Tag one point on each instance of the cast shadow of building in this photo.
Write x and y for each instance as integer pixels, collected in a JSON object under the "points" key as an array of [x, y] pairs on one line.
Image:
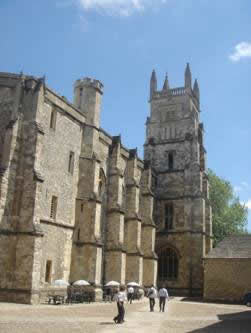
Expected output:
{"points": [[239, 322]]}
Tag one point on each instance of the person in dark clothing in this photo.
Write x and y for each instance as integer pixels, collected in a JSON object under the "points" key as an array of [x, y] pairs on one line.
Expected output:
{"points": [[120, 298], [152, 294], [163, 297]]}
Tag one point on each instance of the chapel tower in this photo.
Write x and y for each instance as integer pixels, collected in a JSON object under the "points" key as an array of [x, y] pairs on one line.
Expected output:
{"points": [[175, 150]]}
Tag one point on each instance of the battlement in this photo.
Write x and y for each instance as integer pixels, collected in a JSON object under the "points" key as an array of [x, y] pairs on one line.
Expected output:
{"points": [[166, 91], [181, 91], [89, 82]]}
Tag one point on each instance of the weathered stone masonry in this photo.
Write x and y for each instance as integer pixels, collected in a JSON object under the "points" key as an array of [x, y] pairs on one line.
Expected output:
{"points": [[70, 194], [76, 204], [174, 148]]}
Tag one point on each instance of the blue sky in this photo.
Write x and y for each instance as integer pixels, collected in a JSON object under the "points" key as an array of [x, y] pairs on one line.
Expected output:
{"points": [[120, 41]]}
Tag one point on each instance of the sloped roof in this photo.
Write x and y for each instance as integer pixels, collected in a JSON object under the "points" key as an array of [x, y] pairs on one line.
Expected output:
{"points": [[236, 246]]}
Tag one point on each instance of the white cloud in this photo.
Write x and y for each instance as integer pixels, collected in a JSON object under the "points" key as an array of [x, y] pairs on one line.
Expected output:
{"points": [[247, 204], [242, 50], [242, 187], [119, 7], [237, 189]]}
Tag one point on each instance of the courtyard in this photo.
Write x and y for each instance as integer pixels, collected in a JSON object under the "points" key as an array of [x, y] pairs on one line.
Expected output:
{"points": [[182, 316]]}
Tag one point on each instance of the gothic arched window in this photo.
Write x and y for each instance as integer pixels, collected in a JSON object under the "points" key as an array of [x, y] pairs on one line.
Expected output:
{"points": [[168, 264]]}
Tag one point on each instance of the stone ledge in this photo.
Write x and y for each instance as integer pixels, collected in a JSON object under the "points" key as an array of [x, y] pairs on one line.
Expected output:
{"points": [[180, 197], [82, 243], [15, 233], [152, 257], [148, 225], [56, 224], [135, 217], [38, 176], [24, 291], [39, 127], [170, 171], [116, 249], [171, 232]]}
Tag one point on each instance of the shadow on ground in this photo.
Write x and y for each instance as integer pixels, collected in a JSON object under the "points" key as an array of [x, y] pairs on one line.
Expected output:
{"points": [[202, 300], [230, 323]]}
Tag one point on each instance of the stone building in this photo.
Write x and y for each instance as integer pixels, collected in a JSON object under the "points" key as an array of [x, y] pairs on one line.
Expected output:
{"points": [[175, 150], [76, 204], [228, 269]]}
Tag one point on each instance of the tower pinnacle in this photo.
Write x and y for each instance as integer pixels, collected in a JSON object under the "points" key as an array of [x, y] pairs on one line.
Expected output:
{"points": [[153, 84], [196, 90], [166, 84], [188, 77]]}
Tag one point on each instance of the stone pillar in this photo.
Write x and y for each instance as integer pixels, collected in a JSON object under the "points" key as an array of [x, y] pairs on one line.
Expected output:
{"points": [[150, 262], [134, 261], [115, 257]]}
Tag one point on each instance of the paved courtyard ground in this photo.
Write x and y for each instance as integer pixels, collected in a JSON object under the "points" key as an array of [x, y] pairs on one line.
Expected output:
{"points": [[182, 316]]}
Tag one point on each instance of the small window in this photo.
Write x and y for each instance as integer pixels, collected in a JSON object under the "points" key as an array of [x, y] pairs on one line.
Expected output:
{"points": [[82, 207], [80, 92], [48, 271], [78, 237], [80, 96], [54, 202], [71, 163], [170, 161], [53, 119], [169, 216]]}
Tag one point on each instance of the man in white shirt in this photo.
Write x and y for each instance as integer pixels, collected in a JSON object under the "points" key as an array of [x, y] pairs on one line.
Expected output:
{"points": [[163, 297], [130, 292], [120, 298], [152, 294]]}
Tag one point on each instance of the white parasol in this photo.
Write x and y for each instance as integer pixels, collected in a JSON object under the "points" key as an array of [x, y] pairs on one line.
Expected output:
{"points": [[112, 284], [133, 284], [61, 283], [81, 283]]}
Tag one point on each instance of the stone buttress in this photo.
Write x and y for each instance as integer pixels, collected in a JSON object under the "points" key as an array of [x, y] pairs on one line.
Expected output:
{"points": [[115, 255], [88, 245], [148, 233], [20, 233], [134, 258]]}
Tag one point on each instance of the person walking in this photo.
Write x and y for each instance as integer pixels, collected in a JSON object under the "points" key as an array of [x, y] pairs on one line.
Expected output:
{"points": [[130, 292], [163, 298], [120, 298], [152, 294]]}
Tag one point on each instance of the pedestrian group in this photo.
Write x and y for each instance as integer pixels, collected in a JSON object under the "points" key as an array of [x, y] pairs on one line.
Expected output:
{"points": [[151, 293]]}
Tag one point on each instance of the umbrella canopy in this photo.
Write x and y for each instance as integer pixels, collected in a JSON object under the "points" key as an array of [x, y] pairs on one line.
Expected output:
{"points": [[112, 284], [60, 283], [81, 283], [133, 284]]}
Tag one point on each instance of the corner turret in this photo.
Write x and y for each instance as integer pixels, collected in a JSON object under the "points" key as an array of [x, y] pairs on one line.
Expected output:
{"points": [[87, 97]]}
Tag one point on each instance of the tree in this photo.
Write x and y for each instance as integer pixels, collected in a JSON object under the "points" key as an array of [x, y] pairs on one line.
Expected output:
{"points": [[229, 216]]}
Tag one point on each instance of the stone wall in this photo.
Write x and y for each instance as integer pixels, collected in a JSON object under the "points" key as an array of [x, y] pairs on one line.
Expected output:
{"points": [[227, 279], [75, 203]]}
